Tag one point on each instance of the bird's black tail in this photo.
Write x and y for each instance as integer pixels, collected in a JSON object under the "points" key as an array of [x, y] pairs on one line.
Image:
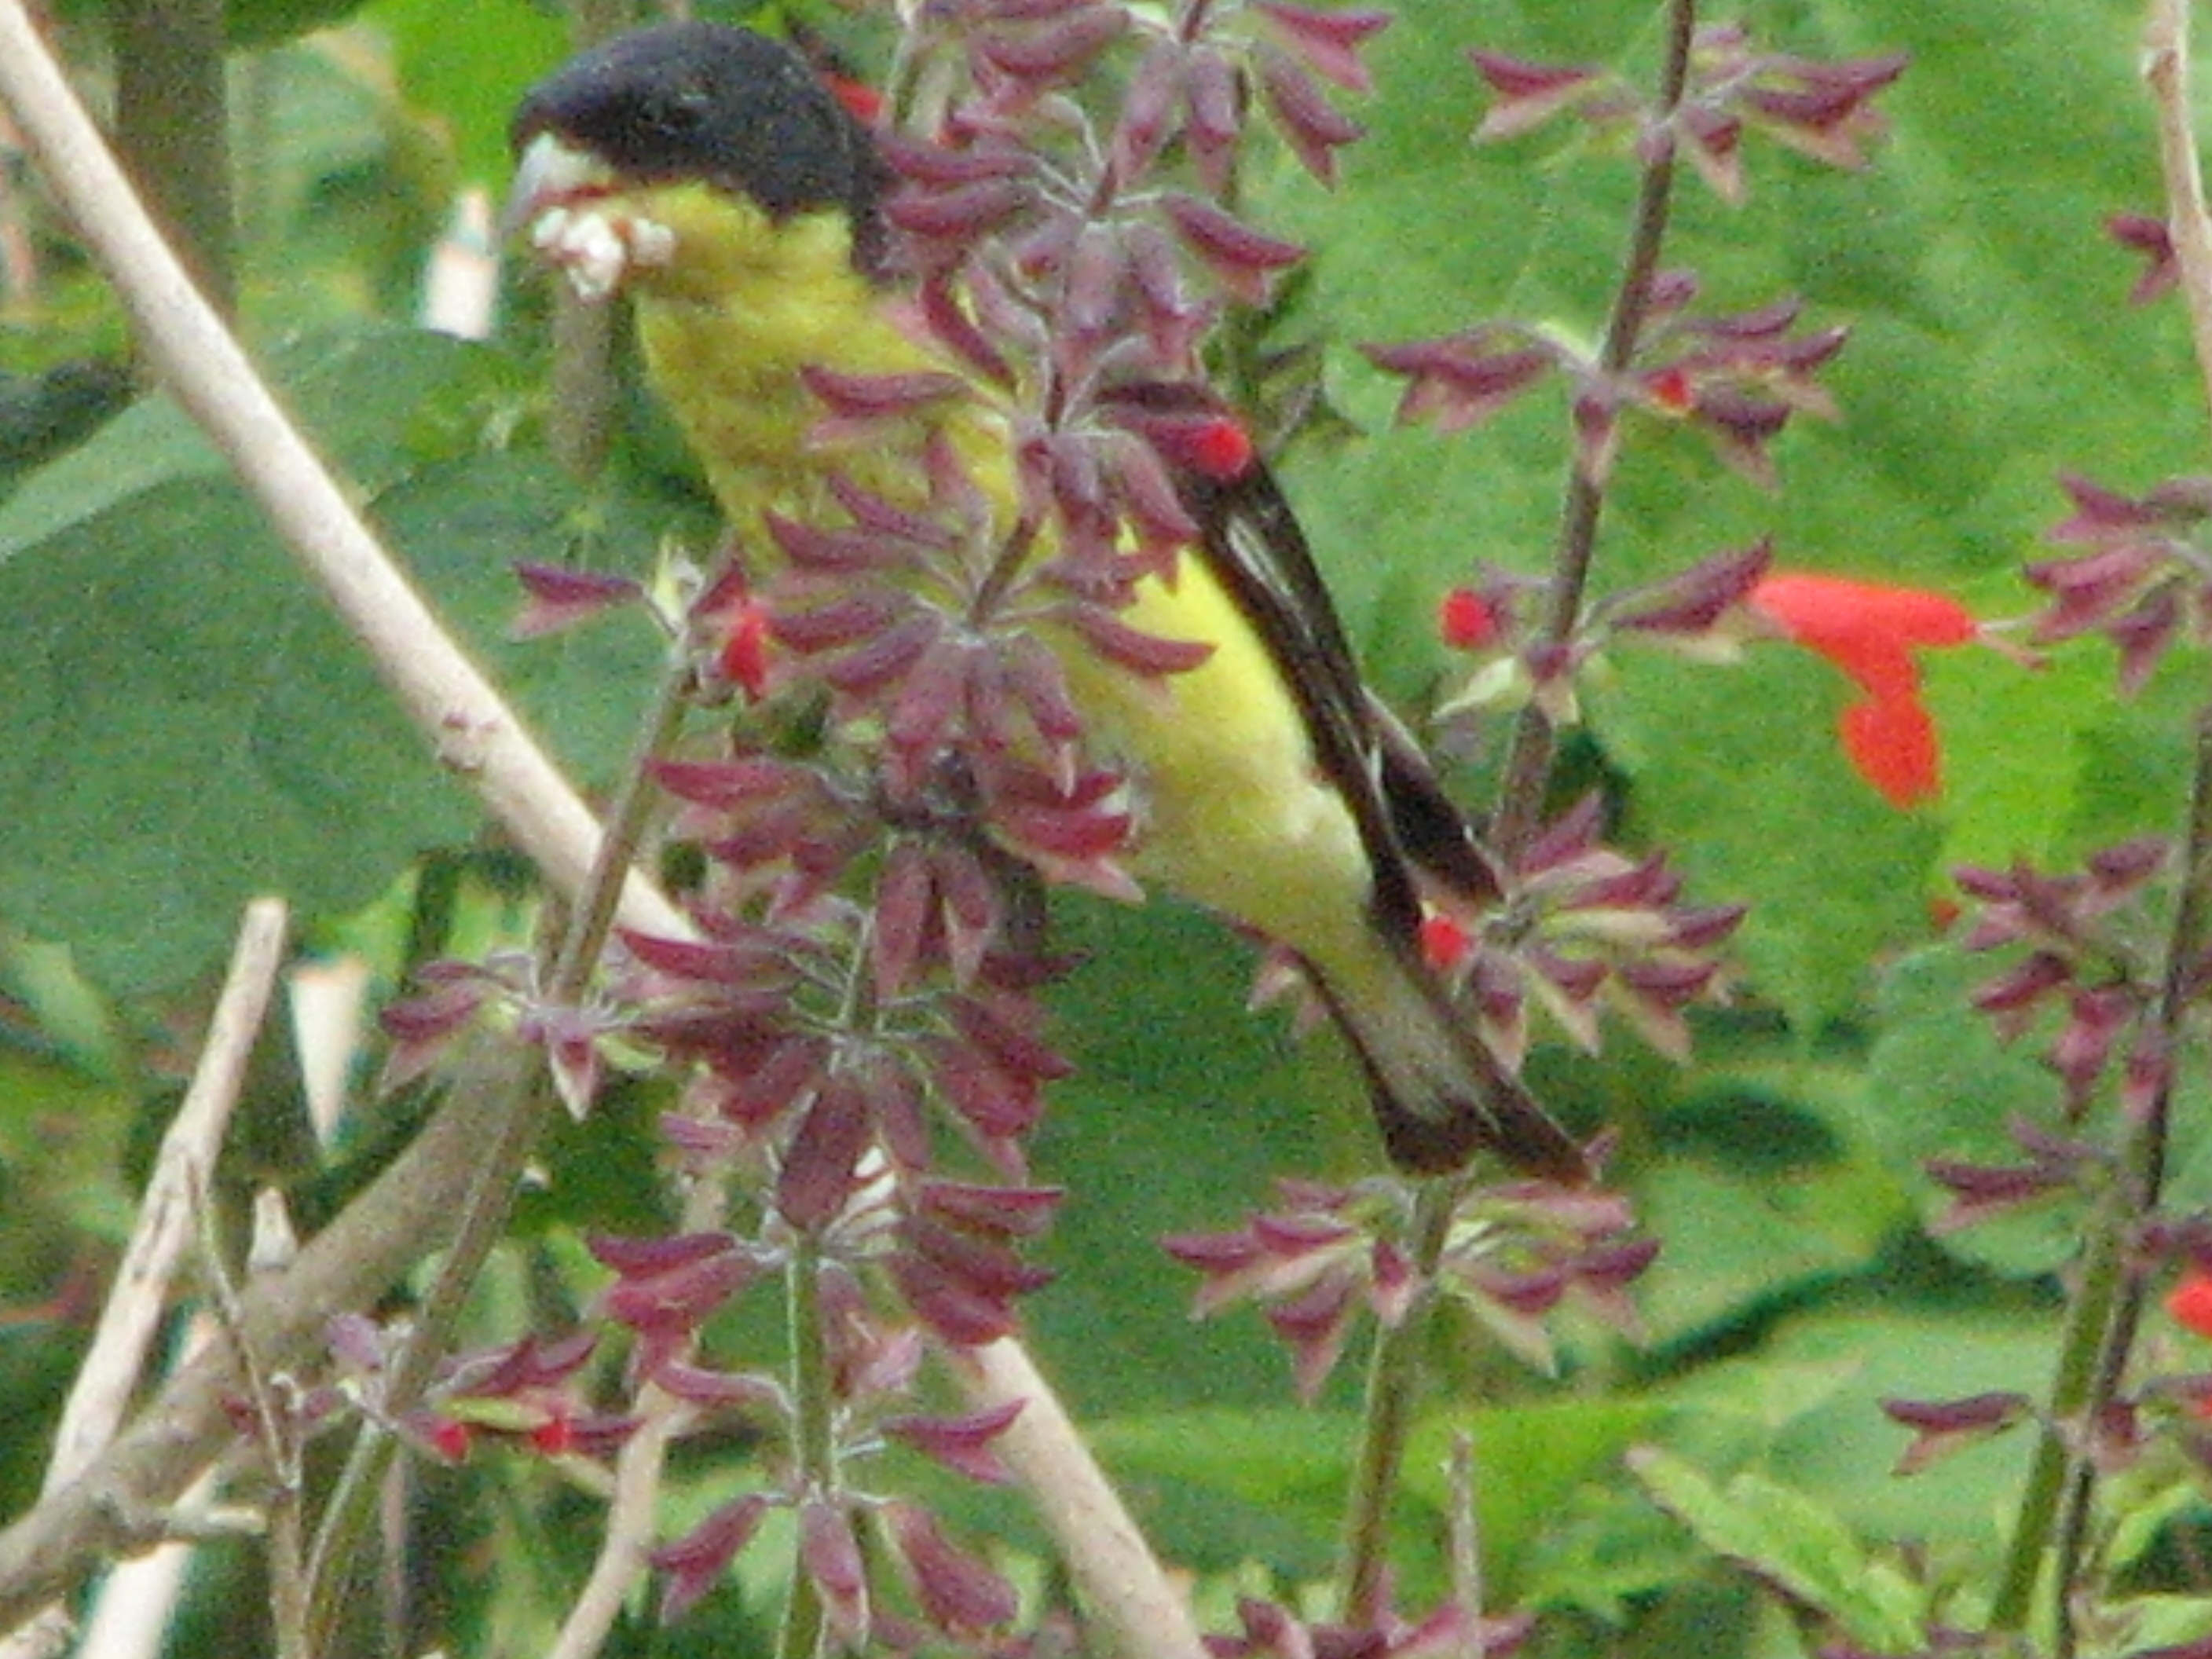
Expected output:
{"points": [[1440, 1096]]}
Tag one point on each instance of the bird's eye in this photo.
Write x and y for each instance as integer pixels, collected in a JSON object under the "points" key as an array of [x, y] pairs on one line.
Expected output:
{"points": [[680, 111]]}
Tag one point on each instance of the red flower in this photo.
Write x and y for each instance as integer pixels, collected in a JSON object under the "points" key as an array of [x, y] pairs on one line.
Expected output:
{"points": [[2189, 1303], [1445, 942], [1466, 620], [1870, 630]]}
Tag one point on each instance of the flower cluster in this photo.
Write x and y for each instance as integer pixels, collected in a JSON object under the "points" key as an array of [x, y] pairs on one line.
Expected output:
{"points": [[1737, 379], [1581, 929], [527, 1395], [662, 1287], [1330, 1253], [1873, 631], [2145, 579], [1065, 255], [1823, 110], [2083, 949]]}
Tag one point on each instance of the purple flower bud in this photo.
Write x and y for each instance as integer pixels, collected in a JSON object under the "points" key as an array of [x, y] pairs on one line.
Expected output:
{"points": [[830, 1555], [1244, 260], [696, 1561], [1329, 42], [957, 1593], [961, 1444], [560, 598]]}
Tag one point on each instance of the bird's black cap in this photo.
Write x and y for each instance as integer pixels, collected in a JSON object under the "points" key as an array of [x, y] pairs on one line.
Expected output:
{"points": [[705, 100]]}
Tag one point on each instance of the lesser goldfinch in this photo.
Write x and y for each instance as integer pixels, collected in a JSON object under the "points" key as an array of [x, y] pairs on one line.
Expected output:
{"points": [[705, 171]]}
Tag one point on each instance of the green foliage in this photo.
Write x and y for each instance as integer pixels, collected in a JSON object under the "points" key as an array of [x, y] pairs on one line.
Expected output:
{"points": [[1795, 1543], [1991, 349]]}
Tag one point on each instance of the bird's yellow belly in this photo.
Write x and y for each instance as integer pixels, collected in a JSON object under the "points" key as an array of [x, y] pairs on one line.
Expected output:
{"points": [[1232, 811]]}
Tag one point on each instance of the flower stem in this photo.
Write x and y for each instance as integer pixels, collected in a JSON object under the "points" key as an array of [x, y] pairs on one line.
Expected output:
{"points": [[2108, 1304], [526, 1087], [1394, 1375], [1529, 762], [2088, 1317], [813, 1425]]}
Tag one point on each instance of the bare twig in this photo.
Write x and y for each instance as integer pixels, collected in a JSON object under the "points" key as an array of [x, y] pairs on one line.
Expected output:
{"points": [[2165, 69], [634, 1510], [116, 1360], [120, 1502], [129, 1617], [1138, 1612]]}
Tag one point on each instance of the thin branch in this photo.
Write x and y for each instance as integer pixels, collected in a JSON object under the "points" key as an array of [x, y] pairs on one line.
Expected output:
{"points": [[120, 1503], [164, 1230], [1529, 762], [633, 1512], [115, 1361], [1135, 1608], [2165, 70]]}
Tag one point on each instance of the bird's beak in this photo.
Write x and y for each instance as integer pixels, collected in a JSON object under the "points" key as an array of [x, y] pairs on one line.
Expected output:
{"points": [[549, 174]]}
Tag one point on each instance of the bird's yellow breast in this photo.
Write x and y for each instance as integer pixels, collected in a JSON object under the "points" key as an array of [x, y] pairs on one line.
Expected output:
{"points": [[727, 322], [1233, 812]]}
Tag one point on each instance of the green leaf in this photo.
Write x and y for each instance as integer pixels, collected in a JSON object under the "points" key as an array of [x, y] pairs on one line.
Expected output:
{"points": [[1223, 1486], [194, 727], [469, 66], [1943, 1086], [1739, 1239], [1184, 1105], [203, 731], [1739, 770], [1844, 1451], [1529, 1461], [1792, 1542]]}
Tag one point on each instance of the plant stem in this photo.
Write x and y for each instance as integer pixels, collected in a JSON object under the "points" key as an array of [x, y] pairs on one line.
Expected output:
{"points": [[173, 128], [580, 422], [2068, 1471], [2089, 1316], [529, 1099], [2108, 1304], [813, 1429], [1394, 1375], [1528, 761]]}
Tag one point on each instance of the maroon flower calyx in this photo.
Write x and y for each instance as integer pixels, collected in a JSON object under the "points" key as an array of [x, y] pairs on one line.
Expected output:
{"points": [[1942, 1428], [559, 598]]}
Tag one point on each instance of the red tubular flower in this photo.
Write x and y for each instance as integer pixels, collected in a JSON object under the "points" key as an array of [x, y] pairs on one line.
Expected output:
{"points": [[1467, 620], [2189, 1303], [1870, 630]]}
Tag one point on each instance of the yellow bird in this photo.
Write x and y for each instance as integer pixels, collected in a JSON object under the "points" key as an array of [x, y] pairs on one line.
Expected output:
{"points": [[708, 173]]}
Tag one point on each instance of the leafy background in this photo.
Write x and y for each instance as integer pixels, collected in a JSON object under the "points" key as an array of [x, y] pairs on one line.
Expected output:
{"points": [[185, 727]]}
